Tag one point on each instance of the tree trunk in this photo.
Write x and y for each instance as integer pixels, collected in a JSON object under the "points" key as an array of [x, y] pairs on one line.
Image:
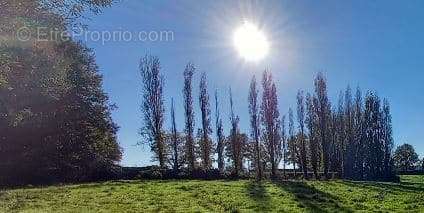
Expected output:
{"points": [[258, 162]]}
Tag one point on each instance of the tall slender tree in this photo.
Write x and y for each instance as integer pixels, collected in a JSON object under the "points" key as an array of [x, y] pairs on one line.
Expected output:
{"points": [[189, 116], [152, 106], [219, 135], [301, 122], [292, 146], [323, 115], [338, 139], [277, 127], [373, 153], [284, 144], [255, 126], [388, 140], [358, 136], [349, 157], [311, 120], [270, 117], [235, 142], [205, 142], [175, 140]]}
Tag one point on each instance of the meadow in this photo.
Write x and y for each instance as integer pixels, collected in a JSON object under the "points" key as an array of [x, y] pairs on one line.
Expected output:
{"points": [[219, 196]]}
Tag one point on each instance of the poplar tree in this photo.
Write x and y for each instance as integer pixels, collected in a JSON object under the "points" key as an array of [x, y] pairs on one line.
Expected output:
{"points": [[205, 142], [189, 116], [292, 146], [219, 136], [359, 136], [236, 141], [175, 140], [388, 140], [349, 121], [270, 117], [284, 143], [153, 107], [323, 116], [301, 122], [311, 123], [338, 146], [373, 146], [255, 126]]}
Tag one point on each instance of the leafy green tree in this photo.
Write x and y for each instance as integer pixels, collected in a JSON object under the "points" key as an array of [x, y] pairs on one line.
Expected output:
{"points": [[68, 13], [54, 116], [236, 151], [88, 123], [405, 157], [73, 10]]}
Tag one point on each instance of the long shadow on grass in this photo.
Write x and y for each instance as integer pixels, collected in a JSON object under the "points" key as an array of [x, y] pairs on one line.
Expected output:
{"points": [[378, 186], [311, 198], [257, 192]]}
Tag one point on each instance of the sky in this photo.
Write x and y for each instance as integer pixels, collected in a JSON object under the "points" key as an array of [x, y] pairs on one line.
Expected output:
{"points": [[376, 45]]}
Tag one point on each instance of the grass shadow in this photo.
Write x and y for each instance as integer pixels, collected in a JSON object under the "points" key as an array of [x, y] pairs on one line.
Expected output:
{"points": [[379, 186], [311, 198], [257, 192]]}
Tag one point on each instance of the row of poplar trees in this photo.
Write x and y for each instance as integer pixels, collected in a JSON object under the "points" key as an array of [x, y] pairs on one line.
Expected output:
{"points": [[353, 141]]}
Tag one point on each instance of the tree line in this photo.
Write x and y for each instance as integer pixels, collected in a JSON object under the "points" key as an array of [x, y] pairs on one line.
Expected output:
{"points": [[352, 140], [55, 119]]}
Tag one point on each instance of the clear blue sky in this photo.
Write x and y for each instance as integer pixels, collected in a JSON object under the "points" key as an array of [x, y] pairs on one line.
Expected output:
{"points": [[378, 45]]}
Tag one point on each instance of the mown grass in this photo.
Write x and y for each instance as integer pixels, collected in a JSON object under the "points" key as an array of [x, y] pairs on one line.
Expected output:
{"points": [[219, 196]]}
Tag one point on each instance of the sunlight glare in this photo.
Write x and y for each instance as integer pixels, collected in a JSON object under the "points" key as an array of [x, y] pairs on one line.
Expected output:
{"points": [[250, 42]]}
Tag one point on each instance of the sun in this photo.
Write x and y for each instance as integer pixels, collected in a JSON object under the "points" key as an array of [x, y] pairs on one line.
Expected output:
{"points": [[250, 42]]}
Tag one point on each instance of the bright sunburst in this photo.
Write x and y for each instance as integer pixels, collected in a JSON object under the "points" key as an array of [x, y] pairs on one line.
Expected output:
{"points": [[250, 42]]}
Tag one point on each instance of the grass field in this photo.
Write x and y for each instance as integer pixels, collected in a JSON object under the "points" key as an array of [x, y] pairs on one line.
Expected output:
{"points": [[218, 196]]}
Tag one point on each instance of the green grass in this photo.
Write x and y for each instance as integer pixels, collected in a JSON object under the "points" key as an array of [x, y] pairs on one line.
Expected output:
{"points": [[218, 196]]}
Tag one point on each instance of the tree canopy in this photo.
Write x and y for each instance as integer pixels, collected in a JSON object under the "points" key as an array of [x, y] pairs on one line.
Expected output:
{"points": [[405, 157], [55, 119]]}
